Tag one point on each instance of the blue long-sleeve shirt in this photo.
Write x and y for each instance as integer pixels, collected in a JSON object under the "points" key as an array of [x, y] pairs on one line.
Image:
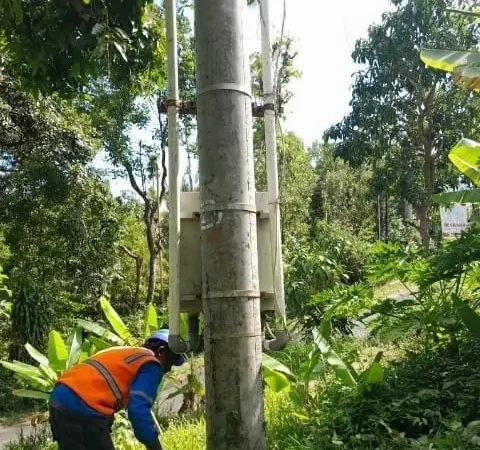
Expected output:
{"points": [[143, 390]]}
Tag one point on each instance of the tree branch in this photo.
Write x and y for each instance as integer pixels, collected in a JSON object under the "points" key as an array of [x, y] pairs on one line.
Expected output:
{"points": [[413, 225], [129, 252], [163, 145], [133, 181]]}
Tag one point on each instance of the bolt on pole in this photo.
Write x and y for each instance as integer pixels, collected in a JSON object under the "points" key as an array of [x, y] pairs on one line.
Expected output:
{"points": [[231, 297]]}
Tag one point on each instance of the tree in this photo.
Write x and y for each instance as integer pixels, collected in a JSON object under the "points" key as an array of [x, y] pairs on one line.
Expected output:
{"points": [[342, 194], [62, 46], [58, 219], [402, 116]]}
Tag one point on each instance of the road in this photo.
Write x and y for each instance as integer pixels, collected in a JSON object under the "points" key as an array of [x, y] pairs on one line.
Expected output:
{"points": [[11, 433]]}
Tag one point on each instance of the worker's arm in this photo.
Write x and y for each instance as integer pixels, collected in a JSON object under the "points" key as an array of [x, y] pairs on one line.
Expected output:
{"points": [[142, 394]]}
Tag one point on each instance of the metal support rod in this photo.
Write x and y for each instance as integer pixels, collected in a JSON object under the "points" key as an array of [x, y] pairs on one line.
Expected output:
{"points": [[233, 335], [272, 172], [174, 340]]}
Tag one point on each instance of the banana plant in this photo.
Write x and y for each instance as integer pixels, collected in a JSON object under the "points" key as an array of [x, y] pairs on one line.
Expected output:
{"points": [[60, 356], [465, 156], [463, 65], [344, 371], [5, 296], [465, 69], [121, 335]]}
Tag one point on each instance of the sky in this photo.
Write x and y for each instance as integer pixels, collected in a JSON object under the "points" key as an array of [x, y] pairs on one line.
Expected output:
{"points": [[324, 34]]}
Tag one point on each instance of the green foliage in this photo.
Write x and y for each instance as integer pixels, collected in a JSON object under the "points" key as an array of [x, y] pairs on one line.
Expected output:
{"points": [[387, 127], [342, 193], [465, 156], [315, 268], [116, 322], [80, 41], [339, 305], [450, 272], [309, 269], [41, 379], [30, 320], [469, 317]]}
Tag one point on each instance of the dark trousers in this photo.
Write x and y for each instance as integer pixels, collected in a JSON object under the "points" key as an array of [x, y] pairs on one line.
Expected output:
{"points": [[73, 432]]}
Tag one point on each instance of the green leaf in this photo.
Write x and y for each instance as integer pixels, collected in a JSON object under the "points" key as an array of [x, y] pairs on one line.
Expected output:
{"points": [[97, 329], [37, 383], [99, 344], [75, 341], [86, 2], [21, 368], [57, 352], [469, 317], [116, 322], [121, 50], [330, 356], [472, 13], [36, 355], [85, 351], [48, 373], [466, 196], [326, 328], [448, 60], [31, 394], [466, 158], [373, 374], [273, 364], [184, 326], [151, 320], [276, 381]]}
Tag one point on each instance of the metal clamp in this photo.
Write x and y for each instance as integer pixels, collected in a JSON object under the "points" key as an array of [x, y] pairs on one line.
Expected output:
{"points": [[225, 87], [173, 102]]}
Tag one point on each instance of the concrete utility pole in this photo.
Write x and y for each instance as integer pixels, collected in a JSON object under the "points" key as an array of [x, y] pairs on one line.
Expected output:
{"points": [[233, 337]]}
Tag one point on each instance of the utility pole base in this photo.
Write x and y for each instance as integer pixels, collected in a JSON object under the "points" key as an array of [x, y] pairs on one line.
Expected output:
{"points": [[234, 417]]}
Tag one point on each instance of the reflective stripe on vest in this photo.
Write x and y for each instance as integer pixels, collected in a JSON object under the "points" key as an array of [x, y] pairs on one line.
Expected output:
{"points": [[103, 381], [109, 380]]}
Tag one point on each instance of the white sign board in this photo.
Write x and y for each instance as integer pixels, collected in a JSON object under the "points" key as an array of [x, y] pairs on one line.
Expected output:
{"points": [[454, 219]]}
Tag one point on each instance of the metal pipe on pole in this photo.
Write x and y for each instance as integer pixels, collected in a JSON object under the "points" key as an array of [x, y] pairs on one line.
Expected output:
{"points": [[174, 340], [231, 297], [272, 176]]}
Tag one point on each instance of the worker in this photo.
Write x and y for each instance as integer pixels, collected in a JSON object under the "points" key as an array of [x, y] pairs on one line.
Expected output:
{"points": [[85, 397]]}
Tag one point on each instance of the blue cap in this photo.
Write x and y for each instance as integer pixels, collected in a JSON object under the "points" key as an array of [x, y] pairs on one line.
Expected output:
{"points": [[162, 335]]}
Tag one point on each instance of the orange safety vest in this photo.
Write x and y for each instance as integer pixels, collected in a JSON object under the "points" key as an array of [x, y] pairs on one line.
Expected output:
{"points": [[103, 381]]}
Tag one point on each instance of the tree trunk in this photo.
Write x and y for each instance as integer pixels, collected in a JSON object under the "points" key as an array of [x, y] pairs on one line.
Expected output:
{"points": [[423, 216], [162, 291], [386, 217], [138, 274], [424, 127], [424, 210], [153, 250], [138, 278]]}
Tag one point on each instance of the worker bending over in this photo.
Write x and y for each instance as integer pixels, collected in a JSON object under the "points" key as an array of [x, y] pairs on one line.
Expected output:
{"points": [[85, 397]]}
